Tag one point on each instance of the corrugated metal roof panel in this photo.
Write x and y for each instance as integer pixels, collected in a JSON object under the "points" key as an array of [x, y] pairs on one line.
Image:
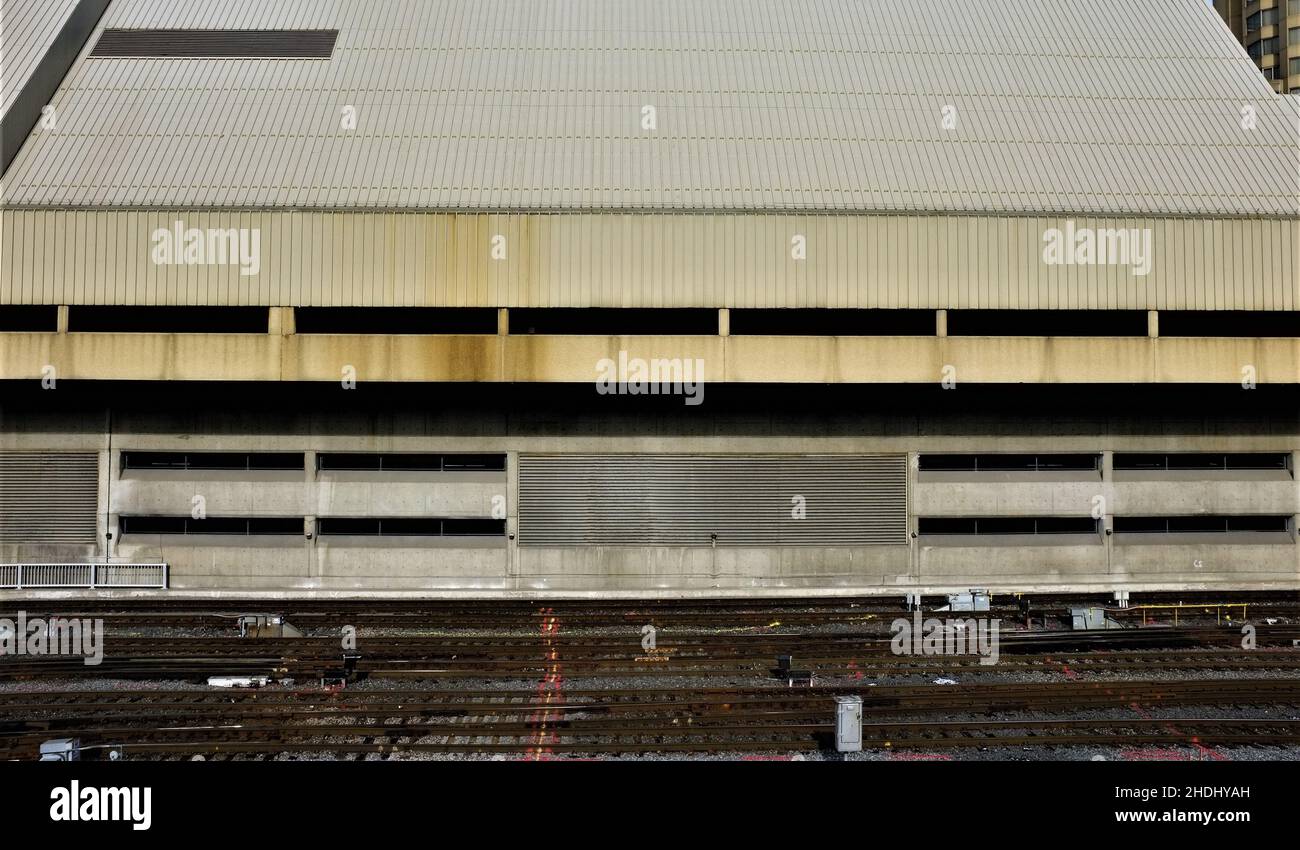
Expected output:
{"points": [[1103, 106], [27, 29]]}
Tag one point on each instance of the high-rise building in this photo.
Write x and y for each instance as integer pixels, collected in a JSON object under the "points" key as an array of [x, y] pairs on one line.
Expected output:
{"points": [[1270, 30]]}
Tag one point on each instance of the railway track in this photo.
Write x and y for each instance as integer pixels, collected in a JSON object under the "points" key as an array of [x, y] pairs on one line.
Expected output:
{"points": [[208, 613], [427, 691], [495, 657], [179, 723]]}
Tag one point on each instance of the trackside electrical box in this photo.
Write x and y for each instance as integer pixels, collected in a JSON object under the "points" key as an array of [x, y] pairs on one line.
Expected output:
{"points": [[61, 749], [848, 724]]}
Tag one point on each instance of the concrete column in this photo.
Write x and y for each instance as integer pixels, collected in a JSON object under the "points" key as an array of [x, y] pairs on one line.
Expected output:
{"points": [[63, 319], [503, 321], [913, 545], [1108, 518], [281, 322], [724, 321], [310, 504], [512, 520], [1153, 323], [940, 322]]}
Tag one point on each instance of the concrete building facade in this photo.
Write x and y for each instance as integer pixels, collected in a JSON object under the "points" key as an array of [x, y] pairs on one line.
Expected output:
{"points": [[585, 297], [1270, 32]]}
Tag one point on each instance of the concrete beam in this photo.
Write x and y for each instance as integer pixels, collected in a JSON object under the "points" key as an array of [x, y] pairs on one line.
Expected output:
{"points": [[573, 359]]}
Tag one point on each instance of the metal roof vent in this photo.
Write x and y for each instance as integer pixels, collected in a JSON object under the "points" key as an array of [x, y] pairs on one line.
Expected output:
{"points": [[215, 44]]}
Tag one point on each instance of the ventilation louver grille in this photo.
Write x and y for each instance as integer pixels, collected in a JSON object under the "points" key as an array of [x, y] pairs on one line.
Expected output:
{"points": [[216, 44], [681, 500], [48, 497]]}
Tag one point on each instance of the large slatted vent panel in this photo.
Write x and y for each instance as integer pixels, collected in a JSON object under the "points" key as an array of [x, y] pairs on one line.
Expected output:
{"points": [[48, 497], [680, 500], [216, 44]]}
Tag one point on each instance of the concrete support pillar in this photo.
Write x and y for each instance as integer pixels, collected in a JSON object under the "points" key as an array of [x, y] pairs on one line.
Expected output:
{"points": [[503, 321], [940, 322], [1153, 323], [724, 321], [63, 319], [1295, 471], [281, 322]]}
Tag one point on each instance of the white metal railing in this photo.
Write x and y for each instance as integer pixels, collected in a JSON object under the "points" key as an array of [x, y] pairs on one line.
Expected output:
{"points": [[88, 576]]}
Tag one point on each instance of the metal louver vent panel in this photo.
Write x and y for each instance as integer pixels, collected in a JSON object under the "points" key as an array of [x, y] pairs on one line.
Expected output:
{"points": [[48, 497], [216, 44], [680, 500]]}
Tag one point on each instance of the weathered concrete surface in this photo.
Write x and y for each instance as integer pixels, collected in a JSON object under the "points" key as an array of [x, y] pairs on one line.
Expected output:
{"points": [[432, 418], [574, 359]]}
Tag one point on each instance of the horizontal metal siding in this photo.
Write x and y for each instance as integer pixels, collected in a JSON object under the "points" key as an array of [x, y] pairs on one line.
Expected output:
{"points": [[48, 497], [680, 500], [435, 259]]}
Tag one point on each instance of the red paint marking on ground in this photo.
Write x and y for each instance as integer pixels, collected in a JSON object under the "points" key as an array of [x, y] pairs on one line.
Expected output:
{"points": [[1210, 752], [897, 756], [551, 687], [1154, 754]]}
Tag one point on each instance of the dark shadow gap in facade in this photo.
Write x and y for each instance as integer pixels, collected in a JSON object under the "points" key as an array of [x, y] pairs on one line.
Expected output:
{"points": [[977, 526], [410, 462], [1200, 524], [237, 461], [246, 526], [604, 321], [22, 318], [1201, 461], [179, 320], [410, 527], [832, 322], [1107, 412], [395, 320], [1105, 323], [1009, 462], [1230, 323]]}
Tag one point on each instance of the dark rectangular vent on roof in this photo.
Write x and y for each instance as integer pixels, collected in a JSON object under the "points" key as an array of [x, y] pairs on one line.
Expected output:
{"points": [[216, 44]]}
